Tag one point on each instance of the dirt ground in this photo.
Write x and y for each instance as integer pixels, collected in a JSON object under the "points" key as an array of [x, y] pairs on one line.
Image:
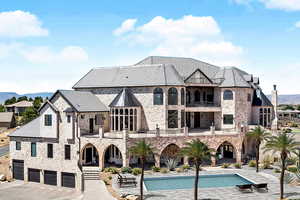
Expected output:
{"points": [[4, 166], [4, 139]]}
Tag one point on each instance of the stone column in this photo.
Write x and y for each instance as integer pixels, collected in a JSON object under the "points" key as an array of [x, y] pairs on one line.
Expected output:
{"points": [[239, 156], [185, 160], [42, 176], [213, 161], [157, 160], [186, 131], [101, 131], [125, 160]]}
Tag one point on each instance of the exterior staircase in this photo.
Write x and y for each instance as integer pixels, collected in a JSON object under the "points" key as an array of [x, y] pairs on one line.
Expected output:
{"points": [[91, 173]]}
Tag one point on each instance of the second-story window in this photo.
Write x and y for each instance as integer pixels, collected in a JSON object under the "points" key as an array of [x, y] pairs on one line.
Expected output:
{"points": [[172, 96], [227, 95], [48, 120], [18, 146], [67, 152], [50, 150], [69, 118], [227, 119], [33, 149], [158, 96], [197, 96], [182, 96], [172, 119], [249, 97]]}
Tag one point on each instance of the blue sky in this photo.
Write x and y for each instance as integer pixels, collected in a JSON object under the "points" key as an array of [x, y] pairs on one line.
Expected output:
{"points": [[49, 45]]}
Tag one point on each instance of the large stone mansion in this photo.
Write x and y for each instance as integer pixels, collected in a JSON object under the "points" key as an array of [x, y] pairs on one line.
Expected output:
{"points": [[165, 100]]}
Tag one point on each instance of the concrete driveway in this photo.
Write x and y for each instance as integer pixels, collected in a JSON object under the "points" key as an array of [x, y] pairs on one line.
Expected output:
{"points": [[36, 191], [4, 150]]}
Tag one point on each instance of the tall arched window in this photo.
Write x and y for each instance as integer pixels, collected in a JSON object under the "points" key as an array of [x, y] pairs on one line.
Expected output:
{"points": [[197, 96], [182, 96], [158, 96], [227, 95], [172, 96], [188, 97]]}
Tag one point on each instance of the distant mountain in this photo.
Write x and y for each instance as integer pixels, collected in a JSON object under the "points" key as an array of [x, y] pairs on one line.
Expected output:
{"points": [[8, 95], [288, 98]]}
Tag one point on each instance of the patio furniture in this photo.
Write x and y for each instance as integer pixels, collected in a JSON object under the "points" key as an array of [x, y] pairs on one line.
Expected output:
{"points": [[245, 187], [261, 186], [123, 180]]}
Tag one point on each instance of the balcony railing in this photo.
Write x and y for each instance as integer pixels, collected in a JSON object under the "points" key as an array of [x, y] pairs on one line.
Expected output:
{"points": [[202, 104]]}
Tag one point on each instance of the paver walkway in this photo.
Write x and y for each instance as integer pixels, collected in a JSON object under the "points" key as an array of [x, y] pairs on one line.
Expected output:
{"points": [[96, 190], [220, 193]]}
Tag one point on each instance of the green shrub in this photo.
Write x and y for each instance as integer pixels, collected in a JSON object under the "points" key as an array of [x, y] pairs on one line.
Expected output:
{"points": [[238, 165], [112, 170], [185, 167], [109, 177], [292, 169], [164, 170], [106, 182], [155, 169], [225, 165], [276, 170], [292, 161], [171, 164], [136, 171], [267, 162], [126, 170], [252, 163]]}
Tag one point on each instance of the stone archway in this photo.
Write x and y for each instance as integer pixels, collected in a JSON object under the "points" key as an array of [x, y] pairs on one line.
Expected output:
{"points": [[171, 151], [226, 153], [112, 157], [89, 155]]}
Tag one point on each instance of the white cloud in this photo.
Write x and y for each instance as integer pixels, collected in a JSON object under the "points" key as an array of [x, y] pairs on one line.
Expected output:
{"points": [[46, 55], [287, 5], [297, 24], [20, 24], [189, 36], [127, 25]]}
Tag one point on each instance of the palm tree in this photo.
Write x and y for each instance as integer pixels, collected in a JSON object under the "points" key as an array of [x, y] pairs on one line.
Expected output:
{"points": [[285, 144], [259, 135], [199, 152], [142, 150]]}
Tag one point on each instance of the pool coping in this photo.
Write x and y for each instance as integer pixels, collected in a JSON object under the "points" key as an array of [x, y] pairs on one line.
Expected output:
{"points": [[145, 187]]}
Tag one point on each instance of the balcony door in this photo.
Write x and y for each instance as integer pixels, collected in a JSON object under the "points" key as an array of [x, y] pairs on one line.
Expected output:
{"points": [[197, 120], [91, 125]]}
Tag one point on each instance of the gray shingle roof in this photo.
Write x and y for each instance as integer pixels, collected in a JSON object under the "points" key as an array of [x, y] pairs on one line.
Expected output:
{"points": [[83, 101], [125, 99], [260, 99], [184, 66], [31, 129], [140, 75], [232, 77], [21, 104], [6, 116]]}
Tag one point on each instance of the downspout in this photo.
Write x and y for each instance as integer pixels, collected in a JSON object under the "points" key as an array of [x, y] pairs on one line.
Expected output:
{"points": [[79, 148]]}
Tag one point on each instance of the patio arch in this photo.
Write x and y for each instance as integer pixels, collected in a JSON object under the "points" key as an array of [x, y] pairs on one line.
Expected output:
{"points": [[170, 151], [112, 156], [226, 153], [89, 155]]}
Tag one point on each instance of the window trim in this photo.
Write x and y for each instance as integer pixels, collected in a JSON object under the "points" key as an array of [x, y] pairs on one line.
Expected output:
{"points": [[18, 147], [226, 97], [226, 122], [46, 120]]}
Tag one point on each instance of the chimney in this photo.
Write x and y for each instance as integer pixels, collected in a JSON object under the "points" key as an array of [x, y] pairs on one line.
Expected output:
{"points": [[275, 106]]}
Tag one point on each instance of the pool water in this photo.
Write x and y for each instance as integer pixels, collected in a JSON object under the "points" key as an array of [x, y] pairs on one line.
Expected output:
{"points": [[187, 182]]}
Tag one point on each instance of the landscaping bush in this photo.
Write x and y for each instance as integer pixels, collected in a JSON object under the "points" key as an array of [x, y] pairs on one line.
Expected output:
{"points": [[109, 178], [155, 169], [292, 169], [252, 163], [185, 167], [126, 170], [267, 162], [276, 170], [112, 170], [292, 161], [164, 170], [136, 171], [225, 165], [171, 164], [238, 165]]}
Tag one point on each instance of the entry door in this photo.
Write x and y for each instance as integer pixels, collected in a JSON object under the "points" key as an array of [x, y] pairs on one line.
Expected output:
{"points": [[196, 120], [91, 125], [88, 153]]}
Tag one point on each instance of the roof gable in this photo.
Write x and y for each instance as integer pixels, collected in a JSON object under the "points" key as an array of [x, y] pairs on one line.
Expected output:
{"points": [[125, 99], [198, 77]]}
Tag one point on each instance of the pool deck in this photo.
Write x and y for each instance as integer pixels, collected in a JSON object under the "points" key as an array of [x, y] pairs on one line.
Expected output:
{"points": [[220, 193]]}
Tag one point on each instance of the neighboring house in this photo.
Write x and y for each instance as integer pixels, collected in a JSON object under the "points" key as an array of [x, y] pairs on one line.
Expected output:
{"points": [[7, 120], [19, 107], [289, 115], [165, 100]]}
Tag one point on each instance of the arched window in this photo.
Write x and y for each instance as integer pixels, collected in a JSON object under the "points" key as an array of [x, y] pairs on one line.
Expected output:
{"points": [[227, 95], [188, 97], [172, 96], [182, 96], [197, 96], [158, 96]]}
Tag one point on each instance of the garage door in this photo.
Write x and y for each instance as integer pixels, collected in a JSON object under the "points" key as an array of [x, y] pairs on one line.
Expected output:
{"points": [[33, 175], [50, 177], [68, 180], [18, 169]]}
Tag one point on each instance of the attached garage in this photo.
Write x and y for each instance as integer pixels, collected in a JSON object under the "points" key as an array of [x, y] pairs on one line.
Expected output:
{"points": [[50, 177], [68, 179], [18, 169], [34, 175]]}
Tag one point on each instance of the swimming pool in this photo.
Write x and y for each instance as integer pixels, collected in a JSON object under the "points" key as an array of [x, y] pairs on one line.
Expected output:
{"points": [[187, 182]]}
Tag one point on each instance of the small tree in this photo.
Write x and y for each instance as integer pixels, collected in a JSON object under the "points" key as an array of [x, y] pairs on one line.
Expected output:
{"points": [[10, 101], [2, 108], [23, 98], [37, 102], [284, 144], [28, 115], [259, 135], [199, 152], [142, 150]]}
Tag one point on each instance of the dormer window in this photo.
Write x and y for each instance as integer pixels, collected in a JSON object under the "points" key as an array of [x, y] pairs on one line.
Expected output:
{"points": [[48, 120]]}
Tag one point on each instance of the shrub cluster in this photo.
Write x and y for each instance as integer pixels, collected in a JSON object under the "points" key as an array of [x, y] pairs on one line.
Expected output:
{"points": [[252, 163]]}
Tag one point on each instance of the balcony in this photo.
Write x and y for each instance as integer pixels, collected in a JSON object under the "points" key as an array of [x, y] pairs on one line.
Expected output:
{"points": [[203, 107]]}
